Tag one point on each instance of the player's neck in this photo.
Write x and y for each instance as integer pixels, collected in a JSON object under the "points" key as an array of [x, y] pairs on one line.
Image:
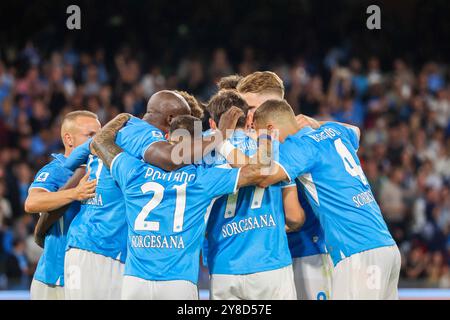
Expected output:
{"points": [[154, 121], [67, 151], [288, 130]]}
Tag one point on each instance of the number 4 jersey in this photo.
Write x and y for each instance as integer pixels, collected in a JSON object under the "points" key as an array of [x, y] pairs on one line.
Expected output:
{"points": [[326, 163], [167, 214]]}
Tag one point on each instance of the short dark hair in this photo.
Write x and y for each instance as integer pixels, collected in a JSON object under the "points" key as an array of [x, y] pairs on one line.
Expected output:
{"points": [[186, 122], [229, 82], [196, 109], [223, 101]]}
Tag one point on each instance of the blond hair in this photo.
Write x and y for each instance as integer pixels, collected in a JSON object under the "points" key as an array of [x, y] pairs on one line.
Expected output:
{"points": [[71, 117], [261, 82], [277, 110]]}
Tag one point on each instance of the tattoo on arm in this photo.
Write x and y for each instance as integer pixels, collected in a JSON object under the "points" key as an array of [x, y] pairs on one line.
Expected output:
{"points": [[104, 145]]}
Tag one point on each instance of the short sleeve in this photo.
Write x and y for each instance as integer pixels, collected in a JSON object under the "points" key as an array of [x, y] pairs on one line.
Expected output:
{"points": [[296, 157], [218, 181], [48, 178], [78, 156], [349, 133], [137, 136], [285, 184], [123, 168]]}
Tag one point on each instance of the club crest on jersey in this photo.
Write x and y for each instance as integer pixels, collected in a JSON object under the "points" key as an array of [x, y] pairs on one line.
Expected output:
{"points": [[42, 177]]}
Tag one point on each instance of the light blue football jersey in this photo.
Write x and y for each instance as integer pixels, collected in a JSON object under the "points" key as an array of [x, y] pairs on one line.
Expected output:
{"points": [[101, 225], [326, 163], [50, 268], [309, 240], [167, 214], [246, 230]]}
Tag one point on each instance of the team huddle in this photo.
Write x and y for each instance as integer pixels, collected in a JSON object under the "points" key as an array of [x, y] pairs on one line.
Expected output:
{"points": [[276, 206]]}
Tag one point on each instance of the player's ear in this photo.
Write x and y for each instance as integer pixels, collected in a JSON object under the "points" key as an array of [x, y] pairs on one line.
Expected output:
{"points": [[68, 140], [272, 131], [249, 121], [212, 124]]}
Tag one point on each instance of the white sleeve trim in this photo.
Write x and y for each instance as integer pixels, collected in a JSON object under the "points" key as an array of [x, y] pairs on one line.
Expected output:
{"points": [[112, 163], [224, 166], [226, 148], [147, 147], [237, 180], [40, 188], [285, 171]]}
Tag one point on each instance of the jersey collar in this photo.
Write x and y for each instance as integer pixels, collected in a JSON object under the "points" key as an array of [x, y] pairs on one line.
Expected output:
{"points": [[60, 157], [304, 131]]}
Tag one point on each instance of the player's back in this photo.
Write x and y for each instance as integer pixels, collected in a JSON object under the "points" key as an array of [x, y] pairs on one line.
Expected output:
{"points": [[246, 230], [100, 227], [338, 191], [167, 214], [310, 239]]}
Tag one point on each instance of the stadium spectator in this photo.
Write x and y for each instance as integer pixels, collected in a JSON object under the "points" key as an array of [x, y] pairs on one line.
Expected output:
{"points": [[403, 112]]}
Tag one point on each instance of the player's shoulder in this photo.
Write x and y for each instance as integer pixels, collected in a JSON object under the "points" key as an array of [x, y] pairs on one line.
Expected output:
{"points": [[135, 121], [338, 130], [327, 131], [302, 137], [53, 170], [207, 172], [128, 160], [56, 163], [334, 128], [139, 125]]}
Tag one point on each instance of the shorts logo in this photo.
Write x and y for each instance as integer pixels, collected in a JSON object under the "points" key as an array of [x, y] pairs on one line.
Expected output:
{"points": [[42, 177], [373, 277], [73, 281]]}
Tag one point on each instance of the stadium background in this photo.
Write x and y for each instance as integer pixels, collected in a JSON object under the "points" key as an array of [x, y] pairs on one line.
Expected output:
{"points": [[393, 83]]}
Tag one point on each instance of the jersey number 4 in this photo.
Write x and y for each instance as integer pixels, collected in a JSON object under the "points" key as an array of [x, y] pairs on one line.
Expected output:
{"points": [[141, 224], [350, 164]]}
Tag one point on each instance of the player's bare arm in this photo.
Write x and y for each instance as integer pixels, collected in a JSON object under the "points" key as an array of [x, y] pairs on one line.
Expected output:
{"points": [[103, 145], [234, 156], [159, 154], [255, 174], [47, 219], [276, 175], [293, 211], [41, 200]]}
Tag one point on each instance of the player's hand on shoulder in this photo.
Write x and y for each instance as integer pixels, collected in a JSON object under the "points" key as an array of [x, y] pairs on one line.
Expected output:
{"points": [[85, 188], [305, 121], [123, 117]]}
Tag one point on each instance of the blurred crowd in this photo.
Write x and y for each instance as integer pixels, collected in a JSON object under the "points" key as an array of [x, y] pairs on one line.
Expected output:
{"points": [[402, 109]]}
